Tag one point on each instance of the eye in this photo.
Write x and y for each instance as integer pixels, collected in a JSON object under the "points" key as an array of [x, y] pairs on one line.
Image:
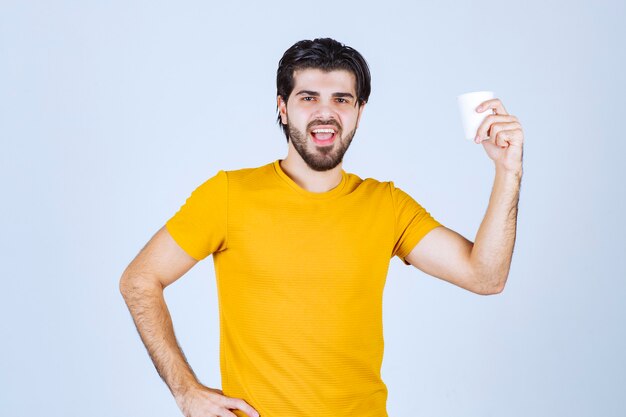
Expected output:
{"points": [[342, 100], [307, 98]]}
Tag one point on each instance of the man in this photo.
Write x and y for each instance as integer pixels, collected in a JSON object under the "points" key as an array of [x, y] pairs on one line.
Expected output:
{"points": [[301, 251]]}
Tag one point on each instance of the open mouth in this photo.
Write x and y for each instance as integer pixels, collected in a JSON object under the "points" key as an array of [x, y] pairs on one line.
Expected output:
{"points": [[323, 136]]}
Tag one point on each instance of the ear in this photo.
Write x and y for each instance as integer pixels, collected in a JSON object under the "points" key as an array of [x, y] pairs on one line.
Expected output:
{"points": [[361, 107], [282, 108]]}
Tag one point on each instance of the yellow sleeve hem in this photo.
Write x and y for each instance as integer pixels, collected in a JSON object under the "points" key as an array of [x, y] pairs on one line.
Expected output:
{"points": [[430, 225], [177, 238]]}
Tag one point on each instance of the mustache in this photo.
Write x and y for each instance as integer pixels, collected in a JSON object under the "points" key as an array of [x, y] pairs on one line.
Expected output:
{"points": [[329, 122]]}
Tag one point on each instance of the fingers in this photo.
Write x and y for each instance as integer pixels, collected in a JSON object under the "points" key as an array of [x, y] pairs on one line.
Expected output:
{"points": [[495, 104], [494, 123], [504, 138], [504, 133], [239, 404], [212, 402]]}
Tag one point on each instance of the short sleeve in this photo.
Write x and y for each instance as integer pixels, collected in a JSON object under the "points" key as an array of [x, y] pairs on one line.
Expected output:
{"points": [[200, 225], [413, 222]]}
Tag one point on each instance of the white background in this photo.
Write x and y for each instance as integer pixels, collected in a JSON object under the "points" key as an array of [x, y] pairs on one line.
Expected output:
{"points": [[111, 113]]}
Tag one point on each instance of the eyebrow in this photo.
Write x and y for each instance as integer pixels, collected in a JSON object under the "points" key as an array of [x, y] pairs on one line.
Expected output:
{"points": [[316, 94]]}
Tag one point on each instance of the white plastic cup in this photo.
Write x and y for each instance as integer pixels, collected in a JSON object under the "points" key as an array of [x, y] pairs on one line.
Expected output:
{"points": [[470, 118]]}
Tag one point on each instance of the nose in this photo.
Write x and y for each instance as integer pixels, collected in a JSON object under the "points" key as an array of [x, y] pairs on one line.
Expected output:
{"points": [[325, 111]]}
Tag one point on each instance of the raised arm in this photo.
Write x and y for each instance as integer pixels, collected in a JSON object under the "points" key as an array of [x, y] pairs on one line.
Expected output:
{"points": [[481, 266], [161, 262]]}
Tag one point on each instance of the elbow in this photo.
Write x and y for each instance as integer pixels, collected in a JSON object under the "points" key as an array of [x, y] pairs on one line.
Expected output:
{"points": [[492, 287], [124, 285], [495, 290], [130, 284]]}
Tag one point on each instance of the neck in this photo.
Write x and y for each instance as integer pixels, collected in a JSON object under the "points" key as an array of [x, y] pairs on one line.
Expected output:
{"points": [[309, 179]]}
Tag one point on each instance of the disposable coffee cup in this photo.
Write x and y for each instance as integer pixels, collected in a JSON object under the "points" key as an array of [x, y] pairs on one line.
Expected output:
{"points": [[470, 118]]}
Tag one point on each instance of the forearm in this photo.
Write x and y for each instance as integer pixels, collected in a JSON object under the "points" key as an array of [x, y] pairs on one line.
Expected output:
{"points": [[147, 306], [493, 246]]}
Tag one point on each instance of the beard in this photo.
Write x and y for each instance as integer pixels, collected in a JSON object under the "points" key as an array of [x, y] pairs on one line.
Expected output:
{"points": [[320, 158]]}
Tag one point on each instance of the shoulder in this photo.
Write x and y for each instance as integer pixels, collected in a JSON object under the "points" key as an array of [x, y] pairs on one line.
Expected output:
{"points": [[223, 178], [369, 184], [251, 179], [369, 188], [247, 173], [383, 189]]}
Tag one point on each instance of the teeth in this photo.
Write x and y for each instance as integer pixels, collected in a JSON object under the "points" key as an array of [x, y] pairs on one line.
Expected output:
{"points": [[324, 131]]}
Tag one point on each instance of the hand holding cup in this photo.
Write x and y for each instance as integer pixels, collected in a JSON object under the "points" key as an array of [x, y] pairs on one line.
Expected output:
{"points": [[493, 122]]}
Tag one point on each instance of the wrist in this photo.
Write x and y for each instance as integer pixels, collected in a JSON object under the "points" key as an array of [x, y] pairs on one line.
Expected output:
{"points": [[515, 171], [186, 389]]}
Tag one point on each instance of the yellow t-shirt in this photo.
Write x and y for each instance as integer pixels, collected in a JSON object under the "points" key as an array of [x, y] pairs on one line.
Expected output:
{"points": [[300, 278]]}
